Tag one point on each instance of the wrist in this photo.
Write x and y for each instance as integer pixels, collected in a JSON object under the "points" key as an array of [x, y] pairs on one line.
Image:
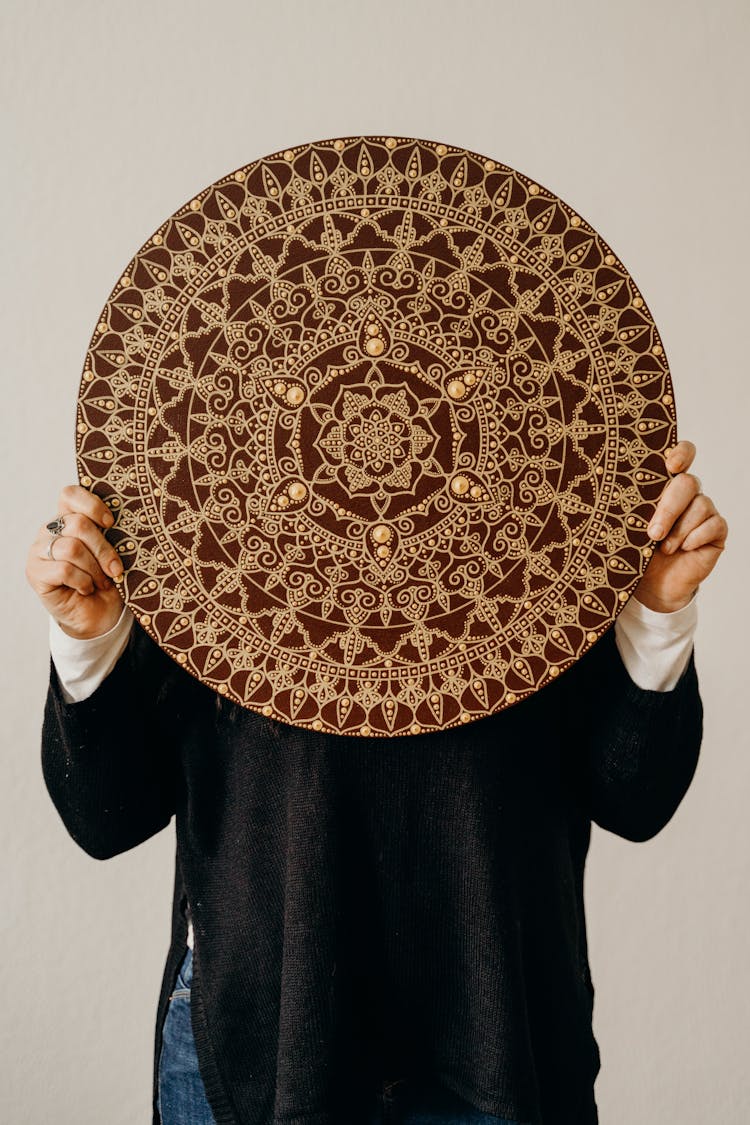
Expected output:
{"points": [[663, 605]]}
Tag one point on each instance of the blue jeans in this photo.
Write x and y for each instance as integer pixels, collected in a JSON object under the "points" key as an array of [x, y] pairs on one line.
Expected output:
{"points": [[182, 1095]]}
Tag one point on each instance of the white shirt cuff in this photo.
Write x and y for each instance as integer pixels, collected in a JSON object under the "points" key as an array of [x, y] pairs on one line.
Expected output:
{"points": [[81, 665], [655, 647]]}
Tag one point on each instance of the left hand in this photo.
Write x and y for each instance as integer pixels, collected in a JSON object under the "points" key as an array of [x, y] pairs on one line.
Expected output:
{"points": [[692, 535]]}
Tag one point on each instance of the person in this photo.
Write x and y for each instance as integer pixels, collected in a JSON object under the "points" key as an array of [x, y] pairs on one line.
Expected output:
{"points": [[372, 930]]}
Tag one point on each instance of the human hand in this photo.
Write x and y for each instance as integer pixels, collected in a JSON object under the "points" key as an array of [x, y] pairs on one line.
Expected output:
{"points": [[73, 583], [692, 535]]}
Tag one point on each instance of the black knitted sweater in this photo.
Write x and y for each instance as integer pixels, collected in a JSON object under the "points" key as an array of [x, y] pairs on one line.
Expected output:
{"points": [[370, 908]]}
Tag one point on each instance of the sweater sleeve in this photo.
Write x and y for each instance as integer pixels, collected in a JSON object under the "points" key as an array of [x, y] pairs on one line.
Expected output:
{"points": [[633, 751], [110, 761]]}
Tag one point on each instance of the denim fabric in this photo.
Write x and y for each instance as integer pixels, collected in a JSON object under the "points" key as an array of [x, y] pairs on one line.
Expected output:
{"points": [[182, 1096]]}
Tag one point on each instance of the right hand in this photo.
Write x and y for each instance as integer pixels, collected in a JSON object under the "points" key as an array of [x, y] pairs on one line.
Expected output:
{"points": [[76, 586]]}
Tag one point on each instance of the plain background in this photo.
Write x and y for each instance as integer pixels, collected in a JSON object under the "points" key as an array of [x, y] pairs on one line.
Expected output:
{"points": [[113, 116]]}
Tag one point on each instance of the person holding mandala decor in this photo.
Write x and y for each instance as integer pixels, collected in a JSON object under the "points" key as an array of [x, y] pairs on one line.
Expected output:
{"points": [[372, 929]]}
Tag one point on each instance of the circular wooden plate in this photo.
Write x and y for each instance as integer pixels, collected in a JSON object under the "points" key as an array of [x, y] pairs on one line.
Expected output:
{"points": [[382, 424]]}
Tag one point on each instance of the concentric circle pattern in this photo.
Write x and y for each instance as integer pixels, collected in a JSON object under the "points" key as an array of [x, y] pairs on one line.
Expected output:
{"points": [[381, 422]]}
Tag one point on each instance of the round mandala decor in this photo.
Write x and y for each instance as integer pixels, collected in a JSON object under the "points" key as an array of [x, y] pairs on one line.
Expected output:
{"points": [[381, 422]]}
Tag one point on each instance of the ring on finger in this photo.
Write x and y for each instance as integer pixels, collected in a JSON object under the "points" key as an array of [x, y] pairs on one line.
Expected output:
{"points": [[50, 545], [55, 527]]}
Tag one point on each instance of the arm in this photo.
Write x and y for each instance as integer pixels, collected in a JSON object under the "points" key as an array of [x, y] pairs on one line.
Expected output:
{"points": [[110, 760], [632, 751]]}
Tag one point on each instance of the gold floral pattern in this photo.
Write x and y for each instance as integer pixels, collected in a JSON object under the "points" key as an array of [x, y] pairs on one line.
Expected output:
{"points": [[381, 422]]}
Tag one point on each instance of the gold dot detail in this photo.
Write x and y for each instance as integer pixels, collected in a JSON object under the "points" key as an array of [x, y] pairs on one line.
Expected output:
{"points": [[459, 485]]}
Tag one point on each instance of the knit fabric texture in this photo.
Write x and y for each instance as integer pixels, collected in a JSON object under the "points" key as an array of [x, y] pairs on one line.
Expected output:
{"points": [[368, 908]]}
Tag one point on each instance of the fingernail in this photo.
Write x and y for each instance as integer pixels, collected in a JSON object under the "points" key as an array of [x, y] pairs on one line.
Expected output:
{"points": [[656, 531], [115, 567]]}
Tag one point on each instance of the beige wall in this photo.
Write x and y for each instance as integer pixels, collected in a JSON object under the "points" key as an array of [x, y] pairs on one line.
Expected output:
{"points": [[114, 115]]}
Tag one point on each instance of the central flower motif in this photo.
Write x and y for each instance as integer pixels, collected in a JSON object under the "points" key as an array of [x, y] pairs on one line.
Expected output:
{"points": [[379, 437], [376, 444]]}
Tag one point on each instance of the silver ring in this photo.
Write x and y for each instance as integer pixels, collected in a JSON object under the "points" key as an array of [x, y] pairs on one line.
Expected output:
{"points": [[55, 527]]}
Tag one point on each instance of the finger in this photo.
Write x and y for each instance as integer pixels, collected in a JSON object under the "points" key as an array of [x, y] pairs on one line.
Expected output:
{"points": [[62, 573], [700, 509], [675, 499], [46, 576], [75, 498], [680, 457], [67, 548], [79, 526], [712, 532], [71, 549]]}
